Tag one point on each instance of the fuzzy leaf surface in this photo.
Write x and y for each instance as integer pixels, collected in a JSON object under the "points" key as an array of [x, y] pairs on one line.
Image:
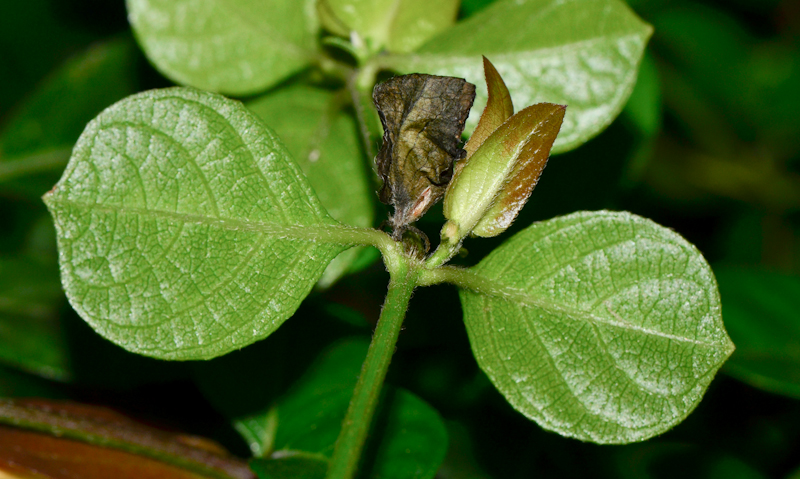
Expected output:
{"points": [[497, 180], [603, 326], [184, 228], [581, 53], [231, 46], [324, 142]]}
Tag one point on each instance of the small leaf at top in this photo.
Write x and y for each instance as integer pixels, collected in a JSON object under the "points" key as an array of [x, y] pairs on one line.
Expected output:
{"points": [[396, 25], [600, 326], [184, 228], [237, 47], [423, 117], [581, 53], [499, 108]]}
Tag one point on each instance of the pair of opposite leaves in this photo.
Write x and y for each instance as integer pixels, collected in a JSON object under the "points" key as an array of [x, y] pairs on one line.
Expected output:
{"points": [[423, 117]]}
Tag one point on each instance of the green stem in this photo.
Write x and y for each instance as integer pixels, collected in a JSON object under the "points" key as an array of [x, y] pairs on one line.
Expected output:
{"points": [[356, 423]]}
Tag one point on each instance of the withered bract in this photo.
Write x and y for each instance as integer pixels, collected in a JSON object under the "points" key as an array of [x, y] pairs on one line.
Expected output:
{"points": [[423, 117]]}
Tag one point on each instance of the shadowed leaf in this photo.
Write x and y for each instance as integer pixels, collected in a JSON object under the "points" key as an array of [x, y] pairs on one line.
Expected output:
{"points": [[323, 140], [410, 440], [761, 312]]}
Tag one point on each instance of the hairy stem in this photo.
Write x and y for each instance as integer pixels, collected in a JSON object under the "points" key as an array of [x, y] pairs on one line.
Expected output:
{"points": [[356, 423]]}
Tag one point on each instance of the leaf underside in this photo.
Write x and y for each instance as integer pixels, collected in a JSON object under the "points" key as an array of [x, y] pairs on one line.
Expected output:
{"points": [[609, 328], [324, 142], [174, 220], [581, 53]]}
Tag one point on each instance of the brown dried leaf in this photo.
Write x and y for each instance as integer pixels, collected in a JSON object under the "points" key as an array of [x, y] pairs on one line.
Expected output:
{"points": [[100, 426], [423, 117], [26, 454]]}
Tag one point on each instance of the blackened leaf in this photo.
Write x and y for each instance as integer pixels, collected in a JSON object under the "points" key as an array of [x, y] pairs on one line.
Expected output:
{"points": [[423, 117]]}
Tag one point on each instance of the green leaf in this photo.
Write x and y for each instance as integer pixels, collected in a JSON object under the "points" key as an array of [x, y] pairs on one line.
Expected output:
{"points": [[761, 313], [231, 46], [581, 53], [397, 25], [412, 440], [597, 325], [184, 228], [40, 135], [295, 466], [323, 140], [32, 336]]}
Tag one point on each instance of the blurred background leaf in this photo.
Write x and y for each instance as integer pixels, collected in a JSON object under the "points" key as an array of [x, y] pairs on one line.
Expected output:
{"points": [[762, 315]]}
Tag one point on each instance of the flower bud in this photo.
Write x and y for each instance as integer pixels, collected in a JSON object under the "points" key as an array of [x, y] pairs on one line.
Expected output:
{"points": [[486, 194]]}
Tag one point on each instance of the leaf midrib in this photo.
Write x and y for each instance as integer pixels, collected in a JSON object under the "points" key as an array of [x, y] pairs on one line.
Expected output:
{"points": [[508, 293], [323, 233]]}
